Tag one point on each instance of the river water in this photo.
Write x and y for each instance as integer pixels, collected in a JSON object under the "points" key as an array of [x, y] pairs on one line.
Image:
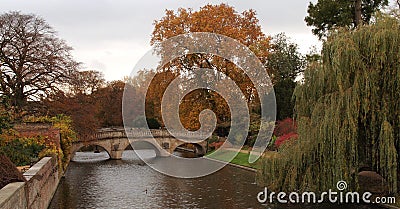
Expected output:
{"points": [[94, 182]]}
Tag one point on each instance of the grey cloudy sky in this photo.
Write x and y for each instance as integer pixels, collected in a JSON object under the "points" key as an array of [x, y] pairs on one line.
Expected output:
{"points": [[111, 36]]}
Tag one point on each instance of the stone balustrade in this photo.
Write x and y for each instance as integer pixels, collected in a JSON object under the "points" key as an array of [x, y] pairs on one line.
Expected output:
{"points": [[111, 133]]}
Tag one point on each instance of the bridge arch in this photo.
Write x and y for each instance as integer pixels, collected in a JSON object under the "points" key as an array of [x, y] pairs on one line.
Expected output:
{"points": [[76, 148], [140, 144], [198, 149]]}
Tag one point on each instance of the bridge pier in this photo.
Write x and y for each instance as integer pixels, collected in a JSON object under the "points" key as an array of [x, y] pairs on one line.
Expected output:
{"points": [[116, 154]]}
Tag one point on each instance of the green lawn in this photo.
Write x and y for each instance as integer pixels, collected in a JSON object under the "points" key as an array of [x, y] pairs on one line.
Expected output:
{"points": [[240, 159]]}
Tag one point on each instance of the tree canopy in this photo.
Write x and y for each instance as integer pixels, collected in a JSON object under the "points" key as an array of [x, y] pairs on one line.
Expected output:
{"points": [[329, 14], [33, 60], [86, 82], [284, 60], [221, 19], [285, 63]]}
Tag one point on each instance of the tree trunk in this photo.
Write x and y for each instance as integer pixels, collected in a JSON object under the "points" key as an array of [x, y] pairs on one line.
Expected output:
{"points": [[19, 100], [358, 14]]}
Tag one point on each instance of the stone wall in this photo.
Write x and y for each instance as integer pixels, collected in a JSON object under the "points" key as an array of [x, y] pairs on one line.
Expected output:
{"points": [[13, 196], [37, 191]]}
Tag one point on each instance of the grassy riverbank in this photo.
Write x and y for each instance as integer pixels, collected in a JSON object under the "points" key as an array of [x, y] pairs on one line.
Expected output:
{"points": [[242, 158]]}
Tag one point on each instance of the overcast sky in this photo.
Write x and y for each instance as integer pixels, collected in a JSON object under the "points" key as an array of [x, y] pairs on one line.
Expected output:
{"points": [[111, 36]]}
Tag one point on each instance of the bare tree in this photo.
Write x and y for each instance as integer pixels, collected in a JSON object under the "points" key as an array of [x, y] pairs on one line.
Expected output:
{"points": [[33, 60]]}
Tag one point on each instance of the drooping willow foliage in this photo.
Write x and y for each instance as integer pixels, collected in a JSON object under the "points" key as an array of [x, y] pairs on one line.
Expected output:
{"points": [[348, 114]]}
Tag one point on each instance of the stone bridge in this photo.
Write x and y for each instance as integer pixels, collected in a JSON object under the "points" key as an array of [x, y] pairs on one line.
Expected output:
{"points": [[115, 141]]}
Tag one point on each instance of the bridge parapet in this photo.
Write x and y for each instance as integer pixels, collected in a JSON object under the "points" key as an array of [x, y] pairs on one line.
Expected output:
{"points": [[110, 134], [144, 133]]}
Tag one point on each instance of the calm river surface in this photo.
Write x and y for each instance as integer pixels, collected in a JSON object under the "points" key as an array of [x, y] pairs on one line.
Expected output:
{"points": [[93, 182]]}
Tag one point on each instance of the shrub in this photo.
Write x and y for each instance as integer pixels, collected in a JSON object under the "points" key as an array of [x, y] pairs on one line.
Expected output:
{"points": [[285, 138], [285, 126], [215, 145], [22, 151], [8, 172], [284, 131], [68, 135]]}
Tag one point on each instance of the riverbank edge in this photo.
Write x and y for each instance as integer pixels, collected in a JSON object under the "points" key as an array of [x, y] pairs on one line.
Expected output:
{"points": [[233, 164], [37, 192]]}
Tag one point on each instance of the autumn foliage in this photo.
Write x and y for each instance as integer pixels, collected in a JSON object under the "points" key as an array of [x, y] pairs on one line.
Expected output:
{"points": [[285, 138], [285, 126], [216, 145], [285, 130], [221, 19], [89, 110], [8, 172]]}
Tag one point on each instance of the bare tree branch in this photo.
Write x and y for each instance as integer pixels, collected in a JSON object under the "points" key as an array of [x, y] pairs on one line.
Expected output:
{"points": [[33, 60]]}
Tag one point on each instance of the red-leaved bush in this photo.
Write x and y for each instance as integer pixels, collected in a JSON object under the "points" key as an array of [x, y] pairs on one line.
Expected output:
{"points": [[215, 145], [285, 126], [285, 130], [284, 138]]}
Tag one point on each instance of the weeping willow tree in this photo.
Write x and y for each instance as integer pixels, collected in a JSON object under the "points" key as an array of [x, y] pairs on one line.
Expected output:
{"points": [[348, 114]]}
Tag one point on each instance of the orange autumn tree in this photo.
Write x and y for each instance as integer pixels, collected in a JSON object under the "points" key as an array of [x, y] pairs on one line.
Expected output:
{"points": [[221, 19], [155, 93]]}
